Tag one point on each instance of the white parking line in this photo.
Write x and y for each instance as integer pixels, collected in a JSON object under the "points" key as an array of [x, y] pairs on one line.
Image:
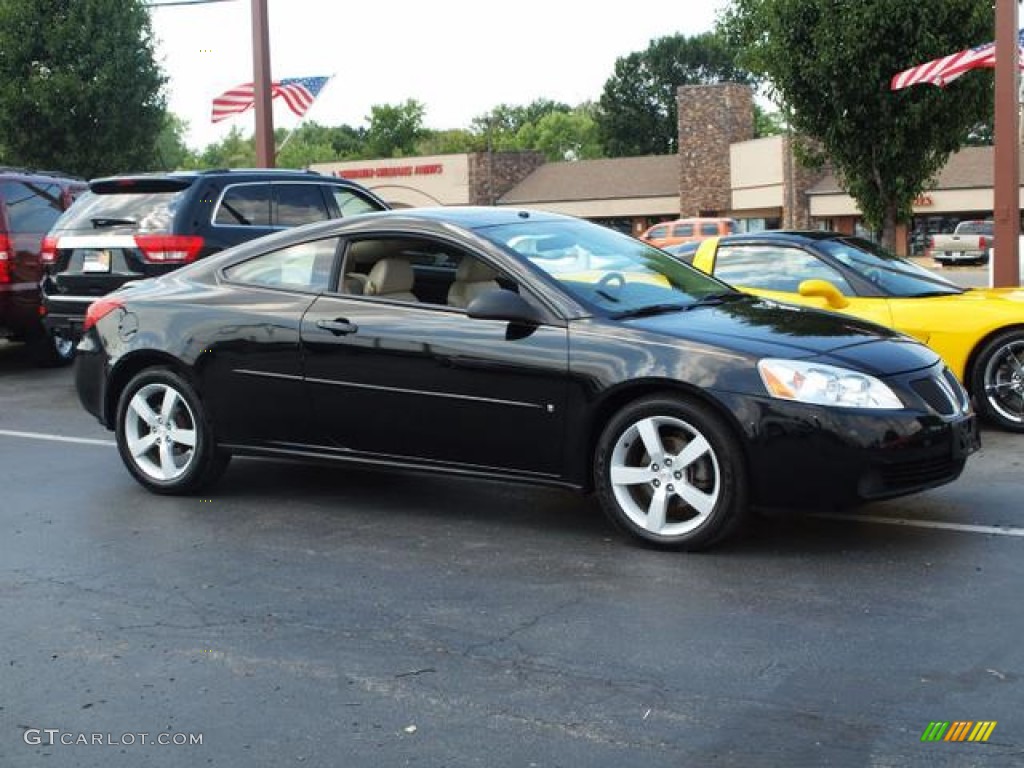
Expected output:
{"points": [[56, 438], [995, 530]]}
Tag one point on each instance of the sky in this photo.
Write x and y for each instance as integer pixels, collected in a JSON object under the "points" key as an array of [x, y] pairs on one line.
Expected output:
{"points": [[459, 59]]}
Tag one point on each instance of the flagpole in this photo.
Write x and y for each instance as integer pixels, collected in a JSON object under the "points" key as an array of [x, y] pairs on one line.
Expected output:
{"points": [[1005, 269], [304, 114], [262, 84]]}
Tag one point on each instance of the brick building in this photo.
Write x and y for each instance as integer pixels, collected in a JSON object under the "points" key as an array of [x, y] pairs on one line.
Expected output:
{"points": [[720, 170]]}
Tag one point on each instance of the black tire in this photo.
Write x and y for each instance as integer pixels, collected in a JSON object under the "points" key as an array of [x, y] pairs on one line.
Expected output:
{"points": [[711, 474], [164, 436], [50, 350], [997, 380]]}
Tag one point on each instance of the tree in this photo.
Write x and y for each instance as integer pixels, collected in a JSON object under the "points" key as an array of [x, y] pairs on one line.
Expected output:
{"points": [[314, 143], [233, 151], [394, 129], [768, 123], [344, 140], [171, 150], [830, 64], [449, 142], [563, 135], [500, 127], [80, 89], [637, 112]]}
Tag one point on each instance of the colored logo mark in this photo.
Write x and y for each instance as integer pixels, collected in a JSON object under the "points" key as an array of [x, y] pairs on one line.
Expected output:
{"points": [[958, 730]]}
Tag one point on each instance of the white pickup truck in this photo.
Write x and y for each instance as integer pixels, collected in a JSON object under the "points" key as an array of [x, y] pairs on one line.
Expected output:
{"points": [[970, 241]]}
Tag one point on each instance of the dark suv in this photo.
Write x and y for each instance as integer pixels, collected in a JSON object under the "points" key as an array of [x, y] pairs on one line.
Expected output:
{"points": [[30, 202], [131, 227]]}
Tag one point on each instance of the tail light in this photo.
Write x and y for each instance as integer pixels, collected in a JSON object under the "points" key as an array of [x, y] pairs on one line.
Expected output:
{"points": [[48, 254], [100, 309], [5, 260], [169, 249], [982, 243]]}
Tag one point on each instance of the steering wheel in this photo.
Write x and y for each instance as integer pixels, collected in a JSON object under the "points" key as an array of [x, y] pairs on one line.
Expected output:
{"points": [[615, 281]]}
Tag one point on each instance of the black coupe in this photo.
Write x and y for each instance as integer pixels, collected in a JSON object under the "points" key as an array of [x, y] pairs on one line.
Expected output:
{"points": [[519, 345]]}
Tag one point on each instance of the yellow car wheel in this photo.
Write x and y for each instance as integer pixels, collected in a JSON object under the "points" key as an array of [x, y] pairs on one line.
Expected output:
{"points": [[997, 380]]}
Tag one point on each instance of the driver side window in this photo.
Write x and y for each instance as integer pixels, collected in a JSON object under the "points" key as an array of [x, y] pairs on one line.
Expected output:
{"points": [[774, 268], [417, 270]]}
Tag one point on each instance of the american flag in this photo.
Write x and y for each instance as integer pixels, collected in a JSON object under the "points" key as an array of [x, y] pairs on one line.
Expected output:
{"points": [[942, 71], [298, 94]]}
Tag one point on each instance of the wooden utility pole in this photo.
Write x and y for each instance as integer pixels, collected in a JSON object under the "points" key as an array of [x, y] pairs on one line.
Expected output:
{"points": [[262, 83], [1006, 266]]}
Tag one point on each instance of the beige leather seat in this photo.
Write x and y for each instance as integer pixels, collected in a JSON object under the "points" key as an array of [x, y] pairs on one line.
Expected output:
{"points": [[471, 279], [391, 279], [355, 283]]}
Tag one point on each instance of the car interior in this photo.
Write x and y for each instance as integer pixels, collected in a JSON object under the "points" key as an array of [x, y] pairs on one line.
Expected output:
{"points": [[422, 271]]}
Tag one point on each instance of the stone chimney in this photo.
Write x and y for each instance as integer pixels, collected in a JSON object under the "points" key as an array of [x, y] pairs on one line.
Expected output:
{"points": [[711, 118]]}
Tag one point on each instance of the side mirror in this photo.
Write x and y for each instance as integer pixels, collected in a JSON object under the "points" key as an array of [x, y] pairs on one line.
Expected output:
{"points": [[823, 289], [499, 304]]}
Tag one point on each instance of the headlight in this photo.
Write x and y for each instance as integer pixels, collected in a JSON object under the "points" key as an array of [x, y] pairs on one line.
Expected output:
{"points": [[825, 385]]}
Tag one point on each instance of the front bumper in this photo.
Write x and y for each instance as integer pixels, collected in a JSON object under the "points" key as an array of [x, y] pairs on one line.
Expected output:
{"points": [[805, 456]]}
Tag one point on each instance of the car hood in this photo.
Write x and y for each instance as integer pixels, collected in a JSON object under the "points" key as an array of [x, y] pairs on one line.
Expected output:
{"points": [[1013, 295], [762, 328]]}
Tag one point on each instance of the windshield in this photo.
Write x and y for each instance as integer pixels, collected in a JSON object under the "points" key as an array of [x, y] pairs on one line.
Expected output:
{"points": [[895, 276], [605, 269]]}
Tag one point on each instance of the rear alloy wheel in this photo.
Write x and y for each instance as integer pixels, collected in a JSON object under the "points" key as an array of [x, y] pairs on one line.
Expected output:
{"points": [[671, 474], [997, 380], [163, 434]]}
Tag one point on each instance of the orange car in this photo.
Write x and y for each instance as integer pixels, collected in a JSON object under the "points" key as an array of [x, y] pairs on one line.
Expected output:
{"points": [[687, 230]]}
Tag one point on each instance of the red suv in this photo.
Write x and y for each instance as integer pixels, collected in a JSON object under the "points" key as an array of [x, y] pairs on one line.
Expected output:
{"points": [[30, 203]]}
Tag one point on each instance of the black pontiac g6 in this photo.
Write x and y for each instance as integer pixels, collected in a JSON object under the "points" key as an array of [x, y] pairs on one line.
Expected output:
{"points": [[518, 345]]}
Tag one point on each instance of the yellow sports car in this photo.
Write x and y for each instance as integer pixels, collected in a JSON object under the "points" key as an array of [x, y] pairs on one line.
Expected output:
{"points": [[978, 332]]}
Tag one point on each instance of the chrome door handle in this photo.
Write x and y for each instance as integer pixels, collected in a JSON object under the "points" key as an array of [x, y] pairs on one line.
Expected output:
{"points": [[339, 326]]}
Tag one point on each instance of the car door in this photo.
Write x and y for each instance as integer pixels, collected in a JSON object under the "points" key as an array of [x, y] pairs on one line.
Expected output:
{"points": [[776, 270], [31, 209], [251, 368], [393, 377], [243, 212]]}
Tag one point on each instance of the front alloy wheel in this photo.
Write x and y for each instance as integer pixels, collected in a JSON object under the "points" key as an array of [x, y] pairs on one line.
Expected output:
{"points": [[671, 474], [163, 436], [998, 381]]}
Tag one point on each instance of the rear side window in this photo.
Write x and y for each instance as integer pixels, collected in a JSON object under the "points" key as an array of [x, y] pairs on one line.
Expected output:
{"points": [[300, 267], [351, 204], [709, 228], [682, 230], [658, 232], [31, 207], [138, 211], [299, 204], [244, 205]]}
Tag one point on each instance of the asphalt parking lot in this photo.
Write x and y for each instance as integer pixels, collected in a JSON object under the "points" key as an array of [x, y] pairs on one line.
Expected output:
{"points": [[345, 617]]}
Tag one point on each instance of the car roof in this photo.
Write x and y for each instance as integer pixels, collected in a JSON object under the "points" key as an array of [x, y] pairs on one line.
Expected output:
{"points": [[467, 216], [784, 235], [37, 173], [472, 217], [262, 173]]}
